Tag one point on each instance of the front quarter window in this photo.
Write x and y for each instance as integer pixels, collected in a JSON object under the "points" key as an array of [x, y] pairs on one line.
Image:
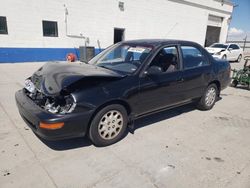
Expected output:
{"points": [[126, 58]]}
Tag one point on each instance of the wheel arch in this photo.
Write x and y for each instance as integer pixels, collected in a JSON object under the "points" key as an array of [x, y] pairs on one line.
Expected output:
{"points": [[217, 83], [115, 101]]}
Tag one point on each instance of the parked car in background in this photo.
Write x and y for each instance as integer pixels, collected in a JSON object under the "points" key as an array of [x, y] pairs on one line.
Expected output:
{"points": [[126, 81], [230, 51]]}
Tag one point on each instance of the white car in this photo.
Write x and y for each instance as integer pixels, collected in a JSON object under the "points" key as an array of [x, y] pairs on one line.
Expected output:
{"points": [[231, 52]]}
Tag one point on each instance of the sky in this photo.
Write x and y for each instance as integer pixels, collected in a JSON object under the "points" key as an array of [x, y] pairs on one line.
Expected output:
{"points": [[240, 24]]}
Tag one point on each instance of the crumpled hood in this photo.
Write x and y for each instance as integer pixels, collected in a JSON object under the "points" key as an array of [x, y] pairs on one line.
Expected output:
{"points": [[54, 77], [214, 50]]}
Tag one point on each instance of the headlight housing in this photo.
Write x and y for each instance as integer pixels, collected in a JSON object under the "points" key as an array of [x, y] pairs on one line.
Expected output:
{"points": [[60, 105]]}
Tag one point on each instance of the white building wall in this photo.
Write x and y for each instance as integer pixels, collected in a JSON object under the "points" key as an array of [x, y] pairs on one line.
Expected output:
{"points": [[96, 19]]}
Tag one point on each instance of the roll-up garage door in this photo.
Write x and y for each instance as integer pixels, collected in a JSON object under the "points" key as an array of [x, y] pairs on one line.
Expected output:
{"points": [[213, 29]]}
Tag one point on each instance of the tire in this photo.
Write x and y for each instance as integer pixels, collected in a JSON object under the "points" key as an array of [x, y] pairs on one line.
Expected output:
{"points": [[209, 98], [239, 58], [234, 83], [224, 57], [109, 125]]}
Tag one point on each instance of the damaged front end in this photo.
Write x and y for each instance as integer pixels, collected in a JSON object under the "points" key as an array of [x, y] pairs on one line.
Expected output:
{"points": [[61, 104], [52, 85]]}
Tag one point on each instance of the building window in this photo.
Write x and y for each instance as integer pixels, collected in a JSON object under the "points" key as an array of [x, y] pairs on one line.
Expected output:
{"points": [[50, 29], [3, 25]]}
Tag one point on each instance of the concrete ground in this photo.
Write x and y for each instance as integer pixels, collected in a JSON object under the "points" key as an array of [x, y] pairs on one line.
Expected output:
{"points": [[183, 147]]}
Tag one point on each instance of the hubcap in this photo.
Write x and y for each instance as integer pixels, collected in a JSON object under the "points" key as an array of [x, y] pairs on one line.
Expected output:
{"points": [[110, 125], [210, 96]]}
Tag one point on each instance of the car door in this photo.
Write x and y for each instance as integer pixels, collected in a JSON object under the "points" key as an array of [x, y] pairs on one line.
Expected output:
{"points": [[196, 71], [236, 51], [161, 81], [231, 53]]}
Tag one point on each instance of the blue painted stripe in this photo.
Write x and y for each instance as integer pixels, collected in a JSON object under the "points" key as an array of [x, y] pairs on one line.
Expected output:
{"points": [[13, 55]]}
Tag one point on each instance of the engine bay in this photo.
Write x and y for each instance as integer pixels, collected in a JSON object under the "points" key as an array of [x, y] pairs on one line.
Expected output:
{"points": [[61, 104]]}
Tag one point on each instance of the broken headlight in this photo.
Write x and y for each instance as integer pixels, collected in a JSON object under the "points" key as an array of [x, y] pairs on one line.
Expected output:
{"points": [[29, 86], [60, 105]]}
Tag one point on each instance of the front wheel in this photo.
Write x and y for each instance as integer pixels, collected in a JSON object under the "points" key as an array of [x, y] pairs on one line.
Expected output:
{"points": [[209, 98], [109, 125], [224, 57], [239, 58]]}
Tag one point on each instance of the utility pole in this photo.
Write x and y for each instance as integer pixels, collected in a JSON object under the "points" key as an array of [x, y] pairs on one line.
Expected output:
{"points": [[245, 40]]}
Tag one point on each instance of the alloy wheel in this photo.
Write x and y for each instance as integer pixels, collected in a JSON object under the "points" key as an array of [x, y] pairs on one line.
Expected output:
{"points": [[110, 125], [210, 96]]}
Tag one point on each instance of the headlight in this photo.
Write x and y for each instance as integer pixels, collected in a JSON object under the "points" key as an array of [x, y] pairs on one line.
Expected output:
{"points": [[218, 53], [29, 86], [60, 105]]}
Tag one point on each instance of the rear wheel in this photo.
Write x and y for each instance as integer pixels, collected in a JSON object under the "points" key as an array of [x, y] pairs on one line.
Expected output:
{"points": [[209, 98], [239, 58], [109, 125]]}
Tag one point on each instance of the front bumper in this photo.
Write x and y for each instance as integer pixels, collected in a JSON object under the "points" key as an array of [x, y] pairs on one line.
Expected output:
{"points": [[75, 124]]}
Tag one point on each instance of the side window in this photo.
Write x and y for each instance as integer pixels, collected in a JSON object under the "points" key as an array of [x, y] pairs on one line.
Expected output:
{"points": [[232, 46], [192, 57], [50, 29], [166, 60], [235, 47]]}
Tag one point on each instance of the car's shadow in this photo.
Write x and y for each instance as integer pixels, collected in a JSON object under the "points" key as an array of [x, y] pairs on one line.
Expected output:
{"points": [[236, 62], [163, 115], [67, 144], [139, 123]]}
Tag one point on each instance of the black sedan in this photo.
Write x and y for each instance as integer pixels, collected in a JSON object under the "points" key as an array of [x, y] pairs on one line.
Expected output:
{"points": [[128, 80]]}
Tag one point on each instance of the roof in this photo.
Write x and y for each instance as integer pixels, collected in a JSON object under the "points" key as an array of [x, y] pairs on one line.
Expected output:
{"points": [[156, 42]]}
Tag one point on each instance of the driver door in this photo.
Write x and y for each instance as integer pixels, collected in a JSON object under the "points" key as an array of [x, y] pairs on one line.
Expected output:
{"points": [[162, 88], [231, 53]]}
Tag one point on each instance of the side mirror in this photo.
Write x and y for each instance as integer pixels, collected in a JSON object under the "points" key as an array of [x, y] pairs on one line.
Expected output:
{"points": [[230, 49], [153, 70]]}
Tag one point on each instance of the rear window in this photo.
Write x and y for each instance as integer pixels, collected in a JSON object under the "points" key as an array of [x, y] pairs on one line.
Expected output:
{"points": [[193, 57]]}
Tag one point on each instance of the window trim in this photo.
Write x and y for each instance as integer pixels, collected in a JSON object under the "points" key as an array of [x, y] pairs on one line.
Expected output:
{"points": [[201, 51], [56, 28], [4, 32]]}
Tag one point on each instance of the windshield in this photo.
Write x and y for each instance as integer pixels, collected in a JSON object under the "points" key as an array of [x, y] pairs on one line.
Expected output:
{"points": [[125, 58], [219, 46]]}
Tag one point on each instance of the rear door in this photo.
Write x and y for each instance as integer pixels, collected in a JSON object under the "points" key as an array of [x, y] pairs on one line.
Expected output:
{"points": [[196, 71]]}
